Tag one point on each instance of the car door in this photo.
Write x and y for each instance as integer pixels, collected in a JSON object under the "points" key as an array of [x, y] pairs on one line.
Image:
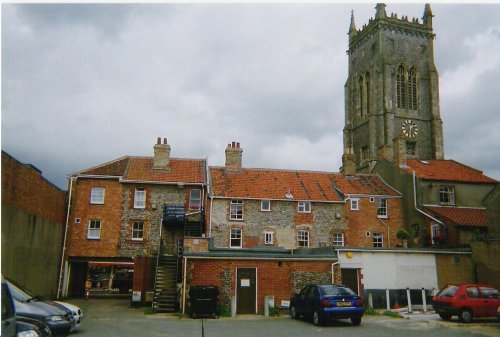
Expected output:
{"points": [[8, 313], [490, 300], [474, 301], [312, 300], [300, 306]]}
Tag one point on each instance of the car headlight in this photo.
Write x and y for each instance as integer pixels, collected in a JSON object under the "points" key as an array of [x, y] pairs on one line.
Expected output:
{"points": [[54, 318], [28, 333]]}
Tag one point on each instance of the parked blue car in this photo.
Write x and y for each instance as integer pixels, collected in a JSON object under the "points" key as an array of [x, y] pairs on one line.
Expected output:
{"points": [[322, 302]]}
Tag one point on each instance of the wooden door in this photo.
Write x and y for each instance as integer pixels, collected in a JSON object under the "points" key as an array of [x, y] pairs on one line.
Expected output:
{"points": [[246, 291]]}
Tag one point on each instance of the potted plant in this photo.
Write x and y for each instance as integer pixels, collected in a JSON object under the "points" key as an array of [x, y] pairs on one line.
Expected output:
{"points": [[403, 237]]}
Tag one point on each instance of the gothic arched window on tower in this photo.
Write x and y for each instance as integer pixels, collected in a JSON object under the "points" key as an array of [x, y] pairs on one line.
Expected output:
{"points": [[361, 96], [367, 81], [401, 88], [412, 89]]}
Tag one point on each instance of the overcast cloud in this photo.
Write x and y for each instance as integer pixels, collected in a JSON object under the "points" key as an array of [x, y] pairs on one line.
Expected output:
{"points": [[83, 84]]}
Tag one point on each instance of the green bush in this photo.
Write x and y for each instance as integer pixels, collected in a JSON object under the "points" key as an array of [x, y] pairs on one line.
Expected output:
{"points": [[273, 312], [403, 234], [224, 311], [369, 311], [391, 314]]}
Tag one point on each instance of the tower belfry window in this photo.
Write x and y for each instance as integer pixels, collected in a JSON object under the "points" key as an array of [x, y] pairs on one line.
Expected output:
{"points": [[401, 88], [412, 89], [361, 97], [367, 81]]}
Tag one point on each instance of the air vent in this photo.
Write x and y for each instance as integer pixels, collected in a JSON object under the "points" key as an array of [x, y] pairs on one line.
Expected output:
{"points": [[368, 234], [372, 199], [78, 220]]}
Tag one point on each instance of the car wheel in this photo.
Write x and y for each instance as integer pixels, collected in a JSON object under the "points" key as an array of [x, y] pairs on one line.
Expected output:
{"points": [[466, 316], [444, 316], [317, 318], [293, 312], [356, 320]]}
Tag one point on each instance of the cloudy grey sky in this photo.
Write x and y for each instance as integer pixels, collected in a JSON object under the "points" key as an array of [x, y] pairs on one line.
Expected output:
{"points": [[83, 84]]}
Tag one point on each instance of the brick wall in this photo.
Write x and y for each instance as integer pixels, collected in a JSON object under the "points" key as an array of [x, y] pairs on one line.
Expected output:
{"points": [[109, 213], [277, 278], [365, 220], [24, 188]]}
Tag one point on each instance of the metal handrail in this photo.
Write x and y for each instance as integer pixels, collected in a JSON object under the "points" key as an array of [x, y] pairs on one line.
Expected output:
{"points": [[157, 264]]}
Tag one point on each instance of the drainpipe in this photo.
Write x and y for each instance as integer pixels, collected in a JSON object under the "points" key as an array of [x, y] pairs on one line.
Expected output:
{"points": [[65, 238], [388, 233], [184, 287], [210, 221], [333, 265]]}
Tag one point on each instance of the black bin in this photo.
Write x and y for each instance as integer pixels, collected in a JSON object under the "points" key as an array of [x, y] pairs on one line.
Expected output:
{"points": [[203, 301]]}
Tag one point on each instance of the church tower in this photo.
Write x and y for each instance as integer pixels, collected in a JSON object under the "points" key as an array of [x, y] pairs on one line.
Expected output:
{"points": [[391, 92]]}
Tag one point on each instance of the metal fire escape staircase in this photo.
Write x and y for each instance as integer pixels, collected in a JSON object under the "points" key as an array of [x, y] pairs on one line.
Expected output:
{"points": [[168, 266]]}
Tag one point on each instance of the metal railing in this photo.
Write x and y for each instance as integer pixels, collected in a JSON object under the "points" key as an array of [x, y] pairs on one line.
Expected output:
{"points": [[160, 248]]}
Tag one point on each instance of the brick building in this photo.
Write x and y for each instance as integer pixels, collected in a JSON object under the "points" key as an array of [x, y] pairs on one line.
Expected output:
{"points": [[33, 218], [121, 210], [270, 232]]}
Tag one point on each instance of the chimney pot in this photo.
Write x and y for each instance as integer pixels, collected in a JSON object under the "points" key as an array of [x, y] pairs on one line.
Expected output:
{"points": [[158, 141], [165, 141], [233, 144], [238, 145]]}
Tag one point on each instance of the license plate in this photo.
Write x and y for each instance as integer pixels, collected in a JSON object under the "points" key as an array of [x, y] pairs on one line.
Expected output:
{"points": [[344, 304]]}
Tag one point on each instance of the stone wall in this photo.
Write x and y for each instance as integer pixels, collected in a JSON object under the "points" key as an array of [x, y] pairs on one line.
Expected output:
{"points": [[283, 221]]}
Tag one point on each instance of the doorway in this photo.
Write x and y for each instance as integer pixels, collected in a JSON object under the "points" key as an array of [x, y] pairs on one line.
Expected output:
{"points": [[350, 279], [246, 290]]}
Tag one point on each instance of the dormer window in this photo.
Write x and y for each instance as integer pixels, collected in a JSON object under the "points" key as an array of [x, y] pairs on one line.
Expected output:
{"points": [[447, 195]]}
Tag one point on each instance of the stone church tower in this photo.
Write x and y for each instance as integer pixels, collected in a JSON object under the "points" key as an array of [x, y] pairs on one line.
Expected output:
{"points": [[391, 93]]}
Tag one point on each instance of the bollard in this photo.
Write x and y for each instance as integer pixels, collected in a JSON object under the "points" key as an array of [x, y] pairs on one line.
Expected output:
{"points": [[424, 300], [409, 299], [387, 299], [370, 300]]}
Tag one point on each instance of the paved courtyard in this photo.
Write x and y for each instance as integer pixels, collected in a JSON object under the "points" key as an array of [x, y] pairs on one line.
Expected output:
{"points": [[114, 317]]}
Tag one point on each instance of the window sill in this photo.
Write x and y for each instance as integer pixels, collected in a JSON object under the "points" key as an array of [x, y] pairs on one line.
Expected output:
{"points": [[93, 239]]}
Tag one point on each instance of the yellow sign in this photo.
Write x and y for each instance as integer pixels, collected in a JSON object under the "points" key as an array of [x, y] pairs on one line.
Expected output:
{"points": [[349, 255]]}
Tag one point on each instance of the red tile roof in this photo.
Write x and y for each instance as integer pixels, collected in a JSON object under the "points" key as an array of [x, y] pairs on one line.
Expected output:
{"points": [[182, 170], [448, 170], [303, 185], [141, 169], [363, 184], [273, 184], [475, 217]]}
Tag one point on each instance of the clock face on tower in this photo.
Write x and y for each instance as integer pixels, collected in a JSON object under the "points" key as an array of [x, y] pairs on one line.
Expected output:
{"points": [[409, 128]]}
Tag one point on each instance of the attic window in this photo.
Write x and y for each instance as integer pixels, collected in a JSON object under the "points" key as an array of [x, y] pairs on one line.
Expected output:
{"points": [[447, 195]]}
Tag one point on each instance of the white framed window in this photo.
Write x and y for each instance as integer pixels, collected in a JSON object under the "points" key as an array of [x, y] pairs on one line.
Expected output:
{"points": [[447, 195], [378, 240], [138, 231], [265, 205], [355, 204], [94, 231], [195, 199], [303, 238], [304, 207], [338, 239], [236, 238], [140, 197], [236, 210], [268, 238], [382, 208], [97, 195]]}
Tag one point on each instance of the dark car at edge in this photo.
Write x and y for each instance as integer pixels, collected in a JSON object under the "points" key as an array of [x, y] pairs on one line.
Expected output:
{"points": [[322, 302]]}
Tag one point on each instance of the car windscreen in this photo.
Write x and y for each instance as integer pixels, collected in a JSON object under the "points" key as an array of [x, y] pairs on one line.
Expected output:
{"points": [[449, 291], [331, 290], [19, 294]]}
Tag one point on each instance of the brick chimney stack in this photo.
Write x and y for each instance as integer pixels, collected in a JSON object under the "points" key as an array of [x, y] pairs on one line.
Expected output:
{"points": [[161, 155], [233, 157]]}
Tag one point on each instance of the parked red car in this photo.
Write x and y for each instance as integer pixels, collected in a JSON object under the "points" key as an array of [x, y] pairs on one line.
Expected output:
{"points": [[467, 301]]}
